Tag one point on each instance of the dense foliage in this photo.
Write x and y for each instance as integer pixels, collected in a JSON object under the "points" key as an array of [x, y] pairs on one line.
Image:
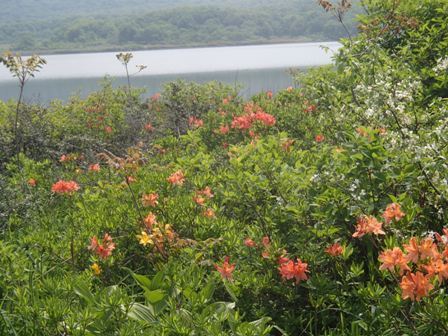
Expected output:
{"points": [[289, 20], [320, 210]]}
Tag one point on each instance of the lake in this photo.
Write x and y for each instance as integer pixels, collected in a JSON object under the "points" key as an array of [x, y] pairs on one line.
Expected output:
{"points": [[253, 68]]}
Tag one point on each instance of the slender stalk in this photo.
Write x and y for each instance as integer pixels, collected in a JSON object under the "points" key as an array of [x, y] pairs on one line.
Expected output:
{"points": [[16, 122]]}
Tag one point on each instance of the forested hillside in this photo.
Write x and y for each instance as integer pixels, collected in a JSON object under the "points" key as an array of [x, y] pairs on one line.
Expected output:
{"points": [[19, 10], [158, 24]]}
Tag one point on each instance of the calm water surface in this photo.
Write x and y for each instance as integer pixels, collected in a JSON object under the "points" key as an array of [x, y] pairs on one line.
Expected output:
{"points": [[253, 68]]}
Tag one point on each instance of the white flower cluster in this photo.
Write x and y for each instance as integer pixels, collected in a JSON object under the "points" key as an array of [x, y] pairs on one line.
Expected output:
{"points": [[388, 99], [442, 65]]}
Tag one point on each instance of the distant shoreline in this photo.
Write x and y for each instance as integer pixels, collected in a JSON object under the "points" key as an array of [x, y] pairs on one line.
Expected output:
{"points": [[135, 48]]}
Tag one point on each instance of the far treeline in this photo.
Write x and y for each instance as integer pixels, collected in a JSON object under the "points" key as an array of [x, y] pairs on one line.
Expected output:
{"points": [[177, 27]]}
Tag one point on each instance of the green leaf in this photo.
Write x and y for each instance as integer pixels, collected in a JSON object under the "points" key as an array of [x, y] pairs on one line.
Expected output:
{"points": [[141, 313], [155, 295], [84, 292], [143, 281], [230, 291]]}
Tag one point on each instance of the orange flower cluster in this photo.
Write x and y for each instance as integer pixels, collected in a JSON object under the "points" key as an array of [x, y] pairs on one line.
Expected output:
{"points": [[199, 200], [224, 129], [309, 107], [65, 187], [158, 236], [293, 270], [209, 213], [195, 122], [150, 200], [103, 250], [335, 250], [149, 127], [177, 178], [95, 167], [428, 259], [319, 138], [415, 286], [226, 268], [394, 258], [201, 196], [249, 242], [368, 224], [32, 182], [252, 113], [155, 97], [150, 220], [207, 192], [393, 212], [69, 157]]}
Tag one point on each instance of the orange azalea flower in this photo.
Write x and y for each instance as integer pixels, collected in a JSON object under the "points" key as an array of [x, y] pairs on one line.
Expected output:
{"points": [[415, 286], [150, 220], [103, 250], [199, 200], [108, 129], [310, 108], [130, 179], [32, 182], [207, 192], [169, 232], [269, 94], [249, 242], [64, 158], [412, 250], [437, 267], [242, 122], [155, 97], [445, 252], [266, 118], [224, 129], [368, 224], [149, 127], [392, 258], [335, 250], [177, 178], [319, 138], [282, 259], [265, 254], [209, 213], [428, 249], [95, 167], [290, 270], [362, 131], [195, 122], [442, 238], [393, 211], [225, 101], [150, 200], [65, 187], [226, 269], [265, 241]]}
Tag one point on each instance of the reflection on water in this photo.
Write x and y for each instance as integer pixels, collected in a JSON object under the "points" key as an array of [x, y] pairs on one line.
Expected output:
{"points": [[254, 68], [249, 82]]}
